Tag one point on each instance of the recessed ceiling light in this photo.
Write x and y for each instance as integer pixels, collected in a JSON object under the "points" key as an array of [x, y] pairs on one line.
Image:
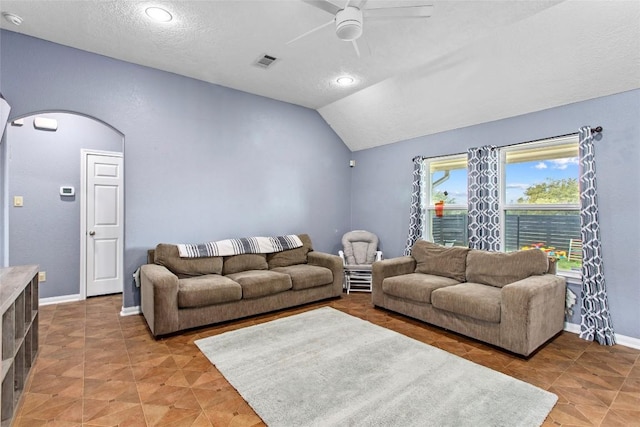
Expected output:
{"points": [[158, 14], [12, 18], [345, 80]]}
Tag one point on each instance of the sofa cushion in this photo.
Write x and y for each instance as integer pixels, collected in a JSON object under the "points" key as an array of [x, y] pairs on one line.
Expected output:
{"points": [[168, 256], [440, 260], [499, 268], [206, 290], [473, 300], [244, 262], [415, 286], [292, 256], [305, 276], [260, 283]]}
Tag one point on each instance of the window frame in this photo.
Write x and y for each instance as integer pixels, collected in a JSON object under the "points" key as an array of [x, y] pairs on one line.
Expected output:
{"points": [[429, 206], [571, 275]]}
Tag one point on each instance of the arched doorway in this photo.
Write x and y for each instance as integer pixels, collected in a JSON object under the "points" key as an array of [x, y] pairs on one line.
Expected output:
{"points": [[43, 185]]}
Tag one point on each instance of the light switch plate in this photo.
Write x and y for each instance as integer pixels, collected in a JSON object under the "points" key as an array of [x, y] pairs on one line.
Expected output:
{"points": [[18, 201]]}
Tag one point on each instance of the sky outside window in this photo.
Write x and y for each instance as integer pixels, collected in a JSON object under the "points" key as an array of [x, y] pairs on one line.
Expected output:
{"points": [[455, 185], [520, 176], [536, 167]]}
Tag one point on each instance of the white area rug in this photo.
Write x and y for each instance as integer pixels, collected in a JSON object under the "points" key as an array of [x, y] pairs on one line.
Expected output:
{"points": [[327, 368]]}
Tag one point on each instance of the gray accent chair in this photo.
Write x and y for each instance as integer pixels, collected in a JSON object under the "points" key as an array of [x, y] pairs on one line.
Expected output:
{"points": [[360, 250]]}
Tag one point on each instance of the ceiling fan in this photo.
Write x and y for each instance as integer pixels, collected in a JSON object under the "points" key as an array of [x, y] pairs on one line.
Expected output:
{"points": [[349, 20]]}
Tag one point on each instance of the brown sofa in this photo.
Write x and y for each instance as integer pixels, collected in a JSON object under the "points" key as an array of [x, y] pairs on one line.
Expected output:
{"points": [[511, 300], [181, 293]]}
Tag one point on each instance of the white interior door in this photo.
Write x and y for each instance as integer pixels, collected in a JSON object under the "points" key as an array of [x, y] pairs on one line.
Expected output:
{"points": [[104, 224]]}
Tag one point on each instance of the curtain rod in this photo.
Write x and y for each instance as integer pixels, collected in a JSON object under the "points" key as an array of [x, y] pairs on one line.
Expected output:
{"points": [[596, 129], [441, 155]]}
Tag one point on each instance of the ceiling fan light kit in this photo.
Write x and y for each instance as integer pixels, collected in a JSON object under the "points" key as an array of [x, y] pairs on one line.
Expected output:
{"points": [[349, 23]]}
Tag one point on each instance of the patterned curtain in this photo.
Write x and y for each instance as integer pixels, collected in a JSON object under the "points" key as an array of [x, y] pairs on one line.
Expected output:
{"points": [[416, 216], [483, 196], [595, 318]]}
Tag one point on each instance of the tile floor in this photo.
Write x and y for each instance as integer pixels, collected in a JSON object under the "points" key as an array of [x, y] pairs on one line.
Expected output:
{"points": [[96, 368]]}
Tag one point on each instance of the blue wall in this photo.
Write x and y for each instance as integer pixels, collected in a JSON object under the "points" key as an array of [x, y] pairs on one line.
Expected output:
{"points": [[383, 207], [202, 162], [205, 162], [46, 229]]}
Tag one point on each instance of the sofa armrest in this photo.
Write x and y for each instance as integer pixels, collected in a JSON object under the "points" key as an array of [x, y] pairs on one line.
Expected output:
{"points": [[333, 263], [380, 270], [159, 298], [532, 311]]}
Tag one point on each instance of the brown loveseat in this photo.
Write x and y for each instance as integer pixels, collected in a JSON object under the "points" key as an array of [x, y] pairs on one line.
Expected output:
{"points": [[511, 300], [181, 293]]}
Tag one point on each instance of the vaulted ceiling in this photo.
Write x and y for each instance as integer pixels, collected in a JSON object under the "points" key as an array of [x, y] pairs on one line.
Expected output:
{"points": [[469, 63]]}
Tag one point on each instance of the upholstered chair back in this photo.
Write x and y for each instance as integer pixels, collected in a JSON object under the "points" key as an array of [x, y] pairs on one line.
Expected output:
{"points": [[359, 247]]}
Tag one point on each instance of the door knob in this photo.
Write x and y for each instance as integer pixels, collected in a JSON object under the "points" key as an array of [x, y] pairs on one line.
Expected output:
{"points": [[92, 233]]}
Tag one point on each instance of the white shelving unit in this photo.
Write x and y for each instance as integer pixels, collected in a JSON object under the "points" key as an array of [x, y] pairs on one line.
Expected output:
{"points": [[19, 333]]}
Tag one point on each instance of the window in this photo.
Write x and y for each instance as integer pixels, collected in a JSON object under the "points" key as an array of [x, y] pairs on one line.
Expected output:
{"points": [[446, 223], [541, 199]]}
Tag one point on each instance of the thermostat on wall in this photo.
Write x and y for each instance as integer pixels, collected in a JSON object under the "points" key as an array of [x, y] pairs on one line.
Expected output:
{"points": [[67, 191]]}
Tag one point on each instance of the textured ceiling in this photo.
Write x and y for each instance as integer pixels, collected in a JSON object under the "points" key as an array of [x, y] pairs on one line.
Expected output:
{"points": [[471, 62]]}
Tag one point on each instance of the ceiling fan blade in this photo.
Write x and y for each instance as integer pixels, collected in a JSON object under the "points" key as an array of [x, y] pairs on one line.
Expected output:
{"points": [[362, 4], [355, 46], [366, 50], [424, 11], [367, 46], [324, 5], [312, 31]]}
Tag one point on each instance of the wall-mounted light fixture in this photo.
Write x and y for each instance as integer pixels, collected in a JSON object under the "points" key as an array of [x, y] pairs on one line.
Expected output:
{"points": [[44, 123]]}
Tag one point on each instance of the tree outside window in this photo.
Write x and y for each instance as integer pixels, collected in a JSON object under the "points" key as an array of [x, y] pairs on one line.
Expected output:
{"points": [[541, 199]]}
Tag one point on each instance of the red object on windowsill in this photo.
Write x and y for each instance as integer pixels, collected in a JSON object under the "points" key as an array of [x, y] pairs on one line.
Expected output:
{"points": [[439, 208]]}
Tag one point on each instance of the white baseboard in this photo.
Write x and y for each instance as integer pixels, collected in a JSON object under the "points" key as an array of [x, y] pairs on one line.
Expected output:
{"points": [[620, 339], [628, 341], [574, 328], [126, 311], [130, 311], [60, 299]]}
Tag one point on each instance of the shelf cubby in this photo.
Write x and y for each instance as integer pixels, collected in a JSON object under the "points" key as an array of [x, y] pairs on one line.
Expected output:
{"points": [[19, 329]]}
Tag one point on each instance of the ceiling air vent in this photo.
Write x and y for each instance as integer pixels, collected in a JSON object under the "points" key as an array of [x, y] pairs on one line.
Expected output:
{"points": [[265, 61]]}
